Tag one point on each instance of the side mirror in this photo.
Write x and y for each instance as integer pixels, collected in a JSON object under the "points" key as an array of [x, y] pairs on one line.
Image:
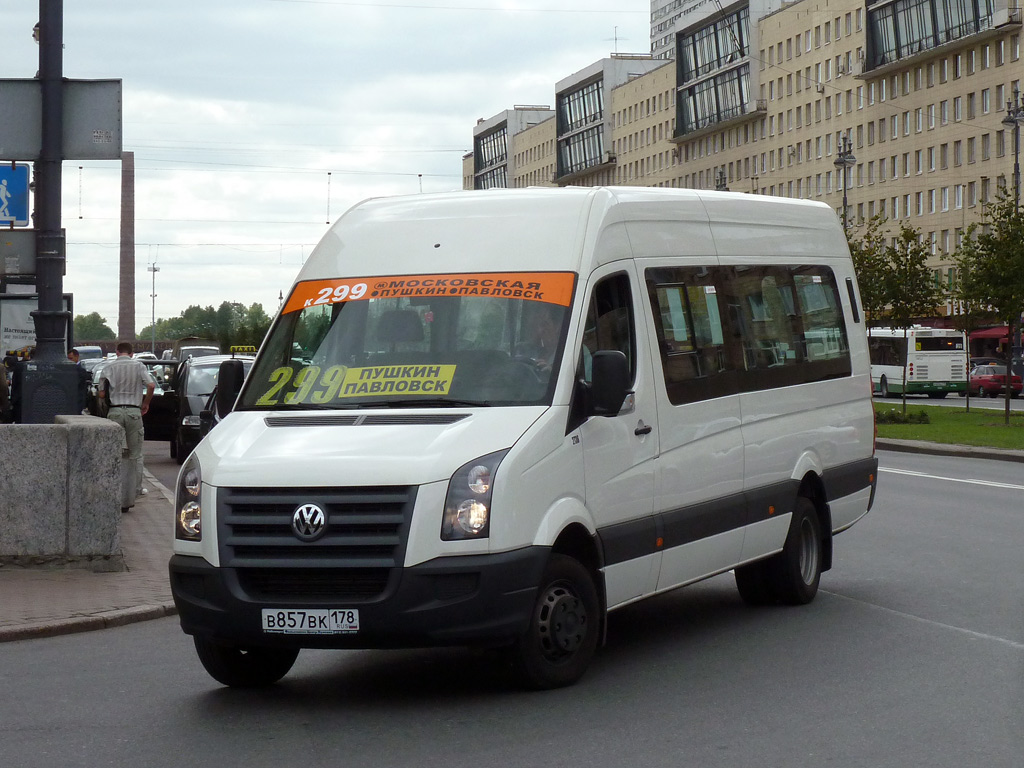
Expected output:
{"points": [[610, 382], [229, 384]]}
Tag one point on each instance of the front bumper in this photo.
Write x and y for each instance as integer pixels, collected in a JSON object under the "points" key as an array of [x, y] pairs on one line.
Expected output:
{"points": [[471, 600]]}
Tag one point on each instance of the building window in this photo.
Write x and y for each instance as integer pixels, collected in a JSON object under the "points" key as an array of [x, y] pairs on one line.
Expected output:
{"points": [[721, 43]]}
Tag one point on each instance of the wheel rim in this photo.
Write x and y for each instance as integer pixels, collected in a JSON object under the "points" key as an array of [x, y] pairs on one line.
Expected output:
{"points": [[808, 552], [562, 622]]}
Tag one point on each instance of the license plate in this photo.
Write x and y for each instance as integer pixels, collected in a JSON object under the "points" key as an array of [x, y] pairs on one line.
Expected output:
{"points": [[311, 621]]}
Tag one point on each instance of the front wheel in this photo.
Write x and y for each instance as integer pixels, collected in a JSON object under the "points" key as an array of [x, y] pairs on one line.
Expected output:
{"points": [[180, 452], [244, 667], [563, 633]]}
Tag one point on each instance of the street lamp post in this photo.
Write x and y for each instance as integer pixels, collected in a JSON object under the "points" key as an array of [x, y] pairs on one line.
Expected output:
{"points": [[1014, 118], [154, 269], [844, 161]]}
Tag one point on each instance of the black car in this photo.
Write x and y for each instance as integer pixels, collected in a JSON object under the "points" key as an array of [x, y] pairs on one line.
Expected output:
{"points": [[192, 386]]}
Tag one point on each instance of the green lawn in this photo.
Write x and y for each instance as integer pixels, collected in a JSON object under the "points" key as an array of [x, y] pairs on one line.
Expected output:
{"points": [[982, 426]]}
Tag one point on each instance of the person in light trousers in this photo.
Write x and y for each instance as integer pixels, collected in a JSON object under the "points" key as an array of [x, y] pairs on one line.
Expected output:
{"points": [[128, 386]]}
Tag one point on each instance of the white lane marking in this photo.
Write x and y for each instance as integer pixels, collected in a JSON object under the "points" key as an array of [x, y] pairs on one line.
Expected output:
{"points": [[930, 622], [987, 483]]}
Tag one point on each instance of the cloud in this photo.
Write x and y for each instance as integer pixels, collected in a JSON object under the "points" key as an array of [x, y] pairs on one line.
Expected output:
{"points": [[238, 110]]}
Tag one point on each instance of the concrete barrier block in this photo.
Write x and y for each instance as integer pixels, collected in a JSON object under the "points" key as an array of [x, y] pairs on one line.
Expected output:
{"points": [[33, 489], [94, 476]]}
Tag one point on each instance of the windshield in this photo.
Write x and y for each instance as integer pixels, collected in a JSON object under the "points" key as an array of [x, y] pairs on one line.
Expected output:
{"points": [[427, 340], [202, 377]]}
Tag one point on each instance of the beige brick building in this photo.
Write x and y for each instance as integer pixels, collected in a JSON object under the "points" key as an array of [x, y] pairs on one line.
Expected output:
{"points": [[764, 104]]}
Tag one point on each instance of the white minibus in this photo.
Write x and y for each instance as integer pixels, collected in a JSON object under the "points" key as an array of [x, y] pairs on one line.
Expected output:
{"points": [[491, 418]]}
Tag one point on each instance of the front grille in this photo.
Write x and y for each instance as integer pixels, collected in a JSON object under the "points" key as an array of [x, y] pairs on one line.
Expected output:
{"points": [[367, 527], [313, 584]]}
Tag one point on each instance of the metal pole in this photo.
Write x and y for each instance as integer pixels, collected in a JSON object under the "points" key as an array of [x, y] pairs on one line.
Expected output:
{"points": [[50, 319]]}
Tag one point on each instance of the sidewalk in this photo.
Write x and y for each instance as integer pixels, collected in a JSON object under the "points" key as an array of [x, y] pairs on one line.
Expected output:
{"points": [[43, 603], [46, 602]]}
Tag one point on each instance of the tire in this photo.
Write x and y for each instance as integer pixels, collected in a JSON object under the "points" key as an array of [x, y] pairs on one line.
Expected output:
{"points": [[937, 395], [564, 628], [174, 446], [181, 452], [244, 667], [792, 576], [753, 584], [883, 387]]}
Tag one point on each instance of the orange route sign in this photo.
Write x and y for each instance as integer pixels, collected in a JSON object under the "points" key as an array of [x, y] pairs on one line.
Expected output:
{"points": [[547, 287]]}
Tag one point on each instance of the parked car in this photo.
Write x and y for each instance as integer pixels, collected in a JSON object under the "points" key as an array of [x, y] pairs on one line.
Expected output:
{"points": [[991, 380], [193, 386]]}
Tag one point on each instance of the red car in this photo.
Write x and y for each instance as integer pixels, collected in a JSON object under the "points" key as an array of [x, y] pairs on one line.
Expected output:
{"points": [[991, 380]]}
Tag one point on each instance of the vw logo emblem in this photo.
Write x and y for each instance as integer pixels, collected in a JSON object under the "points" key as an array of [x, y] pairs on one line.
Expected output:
{"points": [[309, 522]]}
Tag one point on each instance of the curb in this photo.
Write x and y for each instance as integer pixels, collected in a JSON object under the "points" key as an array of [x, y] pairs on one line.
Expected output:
{"points": [[105, 620], [950, 449]]}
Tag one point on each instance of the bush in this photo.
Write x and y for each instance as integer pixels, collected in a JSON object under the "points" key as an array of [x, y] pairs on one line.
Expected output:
{"points": [[894, 416]]}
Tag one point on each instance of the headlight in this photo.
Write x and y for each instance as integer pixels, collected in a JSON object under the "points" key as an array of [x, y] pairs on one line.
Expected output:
{"points": [[467, 507], [190, 421], [188, 511]]}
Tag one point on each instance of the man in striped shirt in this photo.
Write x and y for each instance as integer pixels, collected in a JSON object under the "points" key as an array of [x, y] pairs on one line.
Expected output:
{"points": [[128, 386]]}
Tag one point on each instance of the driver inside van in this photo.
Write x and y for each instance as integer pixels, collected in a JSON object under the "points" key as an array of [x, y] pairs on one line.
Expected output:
{"points": [[542, 336]]}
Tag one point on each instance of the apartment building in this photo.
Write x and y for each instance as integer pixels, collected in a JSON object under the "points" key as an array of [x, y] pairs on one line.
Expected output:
{"points": [[920, 104], [893, 107], [494, 156], [531, 146]]}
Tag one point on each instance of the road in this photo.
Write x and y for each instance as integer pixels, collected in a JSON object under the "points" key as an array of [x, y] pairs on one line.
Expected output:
{"points": [[911, 655]]}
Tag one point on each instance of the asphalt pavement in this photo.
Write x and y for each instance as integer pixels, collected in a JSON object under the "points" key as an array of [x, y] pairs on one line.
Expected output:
{"points": [[43, 602]]}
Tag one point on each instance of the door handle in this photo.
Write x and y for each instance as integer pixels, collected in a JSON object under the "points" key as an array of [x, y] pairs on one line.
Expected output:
{"points": [[642, 429]]}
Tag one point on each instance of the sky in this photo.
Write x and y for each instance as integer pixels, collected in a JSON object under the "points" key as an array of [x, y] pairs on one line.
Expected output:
{"points": [[254, 123]]}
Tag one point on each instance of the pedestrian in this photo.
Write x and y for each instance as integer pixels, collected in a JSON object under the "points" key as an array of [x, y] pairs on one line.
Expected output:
{"points": [[82, 391], [5, 395], [125, 379]]}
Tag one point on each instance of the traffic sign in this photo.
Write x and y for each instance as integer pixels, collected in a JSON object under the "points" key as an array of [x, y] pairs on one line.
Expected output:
{"points": [[14, 194]]}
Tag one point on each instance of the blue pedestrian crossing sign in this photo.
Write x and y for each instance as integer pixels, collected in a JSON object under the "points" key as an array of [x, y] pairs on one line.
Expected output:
{"points": [[13, 194]]}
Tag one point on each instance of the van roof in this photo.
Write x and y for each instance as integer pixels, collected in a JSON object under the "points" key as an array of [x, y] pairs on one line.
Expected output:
{"points": [[542, 229]]}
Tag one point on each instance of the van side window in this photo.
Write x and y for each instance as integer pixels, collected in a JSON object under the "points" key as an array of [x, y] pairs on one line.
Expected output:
{"points": [[723, 330], [691, 333], [609, 323]]}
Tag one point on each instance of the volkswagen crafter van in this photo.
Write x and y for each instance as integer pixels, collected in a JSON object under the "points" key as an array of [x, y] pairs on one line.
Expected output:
{"points": [[490, 418]]}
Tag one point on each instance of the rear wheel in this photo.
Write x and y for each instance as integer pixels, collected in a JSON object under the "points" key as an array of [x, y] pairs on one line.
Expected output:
{"points": [[790, 577], [244, 667], [883, 387], [562, 638]]}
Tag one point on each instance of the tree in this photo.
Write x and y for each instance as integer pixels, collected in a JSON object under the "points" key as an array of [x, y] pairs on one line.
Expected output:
{"points": [[995, 276], [910, 288], [92, 327], [870, 261], [969, 313]]}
